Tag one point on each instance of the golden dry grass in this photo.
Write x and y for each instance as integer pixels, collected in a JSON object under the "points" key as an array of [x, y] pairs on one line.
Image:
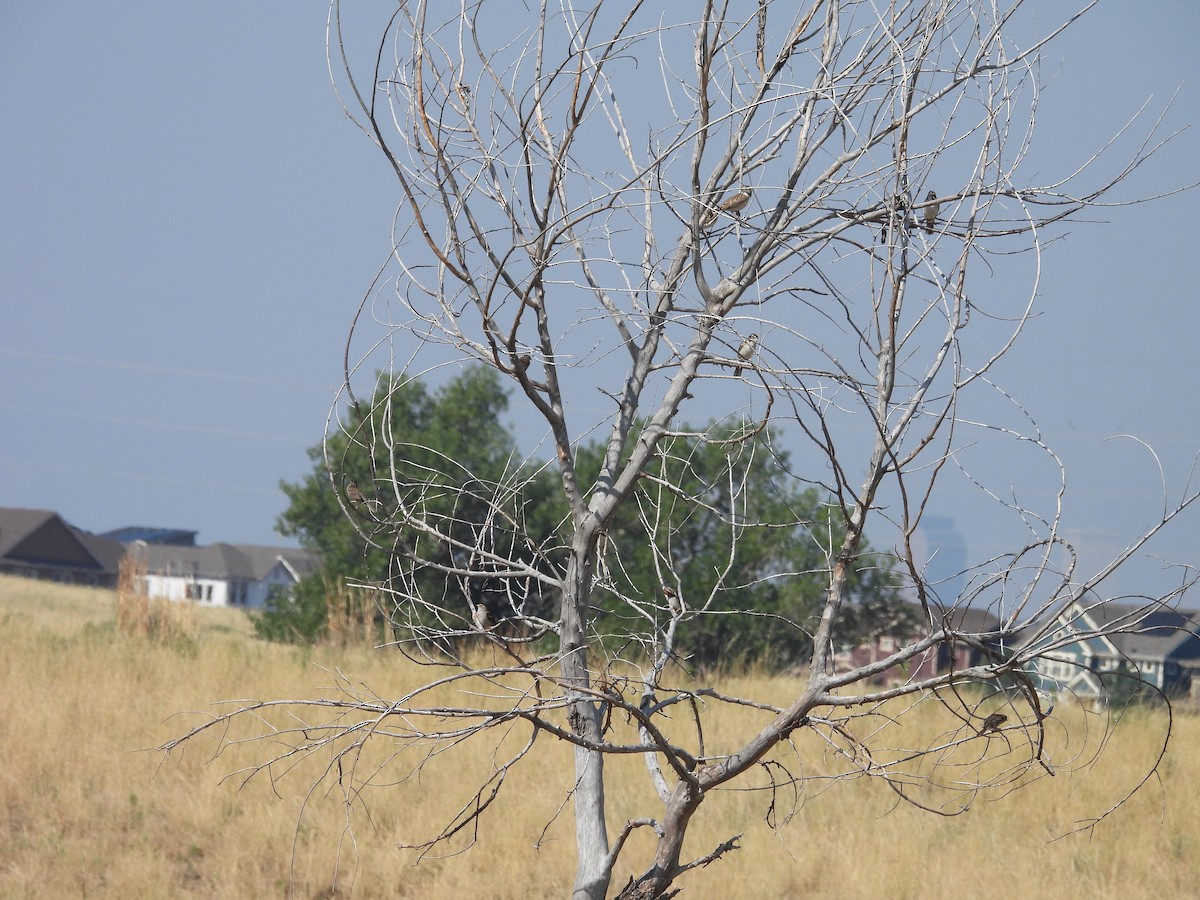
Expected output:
{"points": [[86, 810]]}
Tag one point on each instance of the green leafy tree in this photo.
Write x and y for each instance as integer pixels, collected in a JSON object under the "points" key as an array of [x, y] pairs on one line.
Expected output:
{"points": [[442, 450], [296, 616], [720, 525]]}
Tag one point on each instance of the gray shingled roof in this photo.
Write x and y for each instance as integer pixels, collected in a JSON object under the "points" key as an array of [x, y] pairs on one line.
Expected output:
{"points": [[42, 537], [968, 619], [224, 561], [973, 621], [1160, 634], [263, 559], [108, 553], [17, 524]]}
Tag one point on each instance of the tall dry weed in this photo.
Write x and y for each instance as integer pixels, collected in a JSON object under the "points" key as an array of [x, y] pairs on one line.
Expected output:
{"points": [[352, 617], [155, 619]]}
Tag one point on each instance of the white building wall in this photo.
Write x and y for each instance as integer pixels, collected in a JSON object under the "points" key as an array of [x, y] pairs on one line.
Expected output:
{"points": [[207, 591], [244, 593], [164, 586]]}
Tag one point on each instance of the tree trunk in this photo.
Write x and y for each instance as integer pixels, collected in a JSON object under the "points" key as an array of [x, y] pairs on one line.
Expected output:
{"points": [[684, 801], [592, 870], [593, 867]]}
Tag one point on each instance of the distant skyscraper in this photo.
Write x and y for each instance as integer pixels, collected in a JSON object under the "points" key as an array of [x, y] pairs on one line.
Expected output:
{"points": [[942, 550]]}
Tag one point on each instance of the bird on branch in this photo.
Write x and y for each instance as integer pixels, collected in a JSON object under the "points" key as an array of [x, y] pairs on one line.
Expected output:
{"points": [[745, 352], [993, 723], [354, 494], [733, 204], [672, 600], [464, 94], [931, 211]]}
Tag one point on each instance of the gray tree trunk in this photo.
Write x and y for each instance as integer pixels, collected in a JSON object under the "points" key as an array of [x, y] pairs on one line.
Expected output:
{"points": [[593, 869]]}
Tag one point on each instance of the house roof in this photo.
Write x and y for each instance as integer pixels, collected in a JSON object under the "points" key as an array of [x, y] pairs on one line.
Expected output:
{"points": [[40, 537], [107, 552], [964, 619], [263, 559], [248, 562], [973, 621], [17, 524], [1158, 633]]}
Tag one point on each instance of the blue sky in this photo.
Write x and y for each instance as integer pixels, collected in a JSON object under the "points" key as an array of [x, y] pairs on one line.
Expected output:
{"points": [[189, 221]]}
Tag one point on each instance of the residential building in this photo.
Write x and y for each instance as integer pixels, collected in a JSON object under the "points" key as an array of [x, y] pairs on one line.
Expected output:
{"points": [[1160, 646], [220, 574], [38, 543], [942, 657]]}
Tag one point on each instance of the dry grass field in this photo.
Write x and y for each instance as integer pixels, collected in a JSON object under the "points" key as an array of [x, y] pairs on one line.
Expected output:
{"points": [[88, 809]]}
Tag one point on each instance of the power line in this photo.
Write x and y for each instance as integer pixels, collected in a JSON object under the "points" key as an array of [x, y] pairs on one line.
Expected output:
{"points": [[134, 476], [152, 423], [160, 370]]}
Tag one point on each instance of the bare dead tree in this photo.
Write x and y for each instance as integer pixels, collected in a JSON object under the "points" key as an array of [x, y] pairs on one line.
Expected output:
{"points": [[750, 212]]}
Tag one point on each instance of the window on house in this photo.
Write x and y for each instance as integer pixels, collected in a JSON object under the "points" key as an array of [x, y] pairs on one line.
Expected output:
{"points": [[1059, 670]]}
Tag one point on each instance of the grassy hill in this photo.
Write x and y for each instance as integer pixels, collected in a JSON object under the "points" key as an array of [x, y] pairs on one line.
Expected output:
{"points": [[88, 808]]}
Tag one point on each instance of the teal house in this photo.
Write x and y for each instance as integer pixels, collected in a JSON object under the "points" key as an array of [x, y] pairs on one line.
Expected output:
{"points": [[1160, 646]]}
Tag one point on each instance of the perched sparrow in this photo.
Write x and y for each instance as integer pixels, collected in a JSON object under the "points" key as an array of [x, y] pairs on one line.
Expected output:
{"points": [[482, 620], [993, 722], [464, 94], [354, 494], [672, 600], [733, 204], [931, 211], [745, 351]]}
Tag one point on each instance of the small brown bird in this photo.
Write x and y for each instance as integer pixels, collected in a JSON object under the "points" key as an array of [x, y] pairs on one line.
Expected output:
{"points": [[354, 494], [745, 351], [733, 204], [993, 722], [480, 616], [672, 600], [931, 211]]}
